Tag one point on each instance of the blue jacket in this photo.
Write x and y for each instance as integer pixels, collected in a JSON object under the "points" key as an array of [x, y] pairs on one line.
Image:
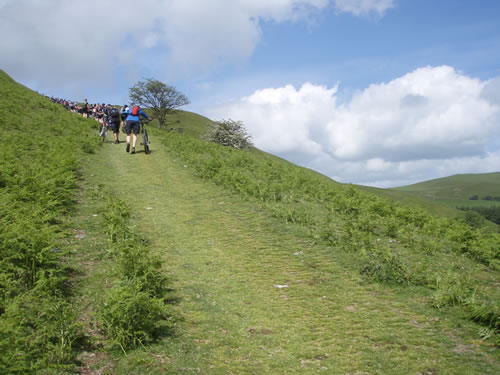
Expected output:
{"points": [[131, 117]]}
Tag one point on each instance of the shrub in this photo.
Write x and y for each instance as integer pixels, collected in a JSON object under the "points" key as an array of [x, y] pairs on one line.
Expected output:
{"points": [[37, 332], [474, 219], [383, 265], [452, 290], [135, 310], [132, 317], [229, 133]]}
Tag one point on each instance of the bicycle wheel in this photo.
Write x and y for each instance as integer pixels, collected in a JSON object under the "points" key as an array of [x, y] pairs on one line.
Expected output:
{"points": [[145, 141], [103, 132]]}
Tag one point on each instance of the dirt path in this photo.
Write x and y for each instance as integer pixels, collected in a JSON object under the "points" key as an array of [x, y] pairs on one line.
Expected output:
{"points": [[256, 298]]}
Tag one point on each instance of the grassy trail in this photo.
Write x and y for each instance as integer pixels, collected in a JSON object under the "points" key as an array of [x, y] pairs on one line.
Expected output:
{"points": [[257, 298]]}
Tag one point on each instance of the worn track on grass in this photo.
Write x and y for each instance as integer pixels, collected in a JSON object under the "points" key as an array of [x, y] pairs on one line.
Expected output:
{"points": [[257, 298]]}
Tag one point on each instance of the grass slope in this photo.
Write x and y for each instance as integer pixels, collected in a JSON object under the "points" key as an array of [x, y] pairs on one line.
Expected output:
{"points": [[41, 148], [456, 190], [411, 199], [188, 122], [196, 126], [272, 269], [258, 296]]}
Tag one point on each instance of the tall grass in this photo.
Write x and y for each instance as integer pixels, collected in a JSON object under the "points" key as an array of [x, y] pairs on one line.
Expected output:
{"points": [[391, 243], [135, 310], [41, 147]]}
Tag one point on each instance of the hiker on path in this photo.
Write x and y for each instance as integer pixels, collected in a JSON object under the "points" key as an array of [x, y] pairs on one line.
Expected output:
{"points": [[85, 109], [114, 122], [123, 115], [133, 125]]}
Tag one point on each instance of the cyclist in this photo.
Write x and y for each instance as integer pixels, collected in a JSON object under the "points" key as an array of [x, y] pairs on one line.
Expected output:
{"points": [[114, 122], [132, 125]]}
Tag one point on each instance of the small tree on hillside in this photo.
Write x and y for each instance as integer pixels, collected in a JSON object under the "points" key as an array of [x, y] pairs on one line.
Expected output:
{"points": [[229, 133], [160, 97]]}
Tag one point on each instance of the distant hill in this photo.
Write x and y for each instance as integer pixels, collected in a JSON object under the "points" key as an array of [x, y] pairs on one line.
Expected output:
{"points": [[411, 199], [457, 190]]}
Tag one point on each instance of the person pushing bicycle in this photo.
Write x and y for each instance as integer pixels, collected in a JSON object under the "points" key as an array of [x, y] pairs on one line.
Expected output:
{"points": [[132, 125]]}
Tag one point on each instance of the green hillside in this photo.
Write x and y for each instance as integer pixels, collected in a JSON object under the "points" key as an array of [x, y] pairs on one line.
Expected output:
{"points": [[41, 150], [456, 190], [195, 125], [199, 258], [411, 199], [188, 122]]}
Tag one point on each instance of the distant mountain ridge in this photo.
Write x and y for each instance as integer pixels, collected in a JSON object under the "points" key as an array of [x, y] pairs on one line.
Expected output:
{"points": [[460, 186]]}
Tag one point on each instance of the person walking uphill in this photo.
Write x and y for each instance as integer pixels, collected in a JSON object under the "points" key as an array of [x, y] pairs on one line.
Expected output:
{"points": [[114, 122], [132, 125], [123, 115]]}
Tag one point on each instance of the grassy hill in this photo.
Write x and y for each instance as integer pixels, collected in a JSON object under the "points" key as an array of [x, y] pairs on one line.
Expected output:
{"points": [[199, 258], [188, 122], [432, 195], [41, 151], [456, 190], [196, 125], [411, 199]]}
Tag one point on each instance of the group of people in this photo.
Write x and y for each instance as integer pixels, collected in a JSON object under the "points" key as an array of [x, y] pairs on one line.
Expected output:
{"points": [[127, 118], [68, 104]]}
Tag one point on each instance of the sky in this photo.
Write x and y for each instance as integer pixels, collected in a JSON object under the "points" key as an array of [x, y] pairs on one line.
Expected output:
{"points": [[374, 92]]}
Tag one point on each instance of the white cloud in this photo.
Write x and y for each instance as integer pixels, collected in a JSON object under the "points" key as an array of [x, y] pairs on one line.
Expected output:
{"points": [[363, 7], [75, 43], [67, 41], [431, 122], [70, 43], [285, 119]]}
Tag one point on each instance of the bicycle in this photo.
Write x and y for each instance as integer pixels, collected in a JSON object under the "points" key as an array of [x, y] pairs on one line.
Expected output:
{"points": [[104, 130], [145, 140]]}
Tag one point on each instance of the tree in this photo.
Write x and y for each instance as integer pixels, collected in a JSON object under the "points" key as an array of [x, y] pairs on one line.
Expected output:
{"points": [[229, 133], [160, 97]]}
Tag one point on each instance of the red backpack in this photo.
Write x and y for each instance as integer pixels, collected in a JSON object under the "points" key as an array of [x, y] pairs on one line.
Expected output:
{"points": [[135, 110]]}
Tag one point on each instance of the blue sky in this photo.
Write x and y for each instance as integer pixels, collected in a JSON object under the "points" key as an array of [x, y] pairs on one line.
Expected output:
{"points": [[375, 92]]}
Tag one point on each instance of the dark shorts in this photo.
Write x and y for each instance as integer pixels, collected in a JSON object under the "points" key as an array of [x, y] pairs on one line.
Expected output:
{"points": [[115, 126], [132, 127]]}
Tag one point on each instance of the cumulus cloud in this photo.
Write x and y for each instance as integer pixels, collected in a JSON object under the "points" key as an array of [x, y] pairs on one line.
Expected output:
{"points": [[70, 43], [66, 41], [62, 41], [431, 122]]}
